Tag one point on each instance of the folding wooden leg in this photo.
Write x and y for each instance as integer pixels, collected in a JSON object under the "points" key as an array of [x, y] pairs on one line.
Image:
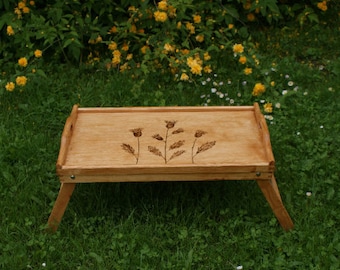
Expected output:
{"points": [[65, 193], [271, 192]]}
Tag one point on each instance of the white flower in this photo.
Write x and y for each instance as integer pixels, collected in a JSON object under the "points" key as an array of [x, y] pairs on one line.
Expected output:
{"points": [[277, 105], [298, 133], [231, 101], [287, 76], [213, 90], [214, 83], [305, 93], [296, 88], [239, 94], [215, 75], [321, 126], [204, 83], [221, 95], [202, 96], [262, 101], [284, 92], [244, 83], [269, 117], [43, 264], [220, 83], [229, 81], [290, 83], [308, 193], [208, 79], [240, 267]]}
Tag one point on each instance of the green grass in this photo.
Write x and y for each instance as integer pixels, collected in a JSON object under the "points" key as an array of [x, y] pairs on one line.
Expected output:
{"points": [[211, 225]]}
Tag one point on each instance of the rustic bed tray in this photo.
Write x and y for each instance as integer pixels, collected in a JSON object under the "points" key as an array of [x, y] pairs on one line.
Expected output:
{"points": [[141, 144]]}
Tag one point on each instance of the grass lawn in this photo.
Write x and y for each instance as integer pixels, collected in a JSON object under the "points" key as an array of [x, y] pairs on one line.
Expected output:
{"points": [[210, 225]]}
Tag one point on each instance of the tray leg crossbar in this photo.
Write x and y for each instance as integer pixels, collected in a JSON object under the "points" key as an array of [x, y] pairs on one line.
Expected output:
{"points": [[271, 192], [65, 193]]}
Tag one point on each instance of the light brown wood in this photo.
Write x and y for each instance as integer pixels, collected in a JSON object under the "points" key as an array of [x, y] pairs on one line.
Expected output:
{"points": [[65, 193], [270, 191], [66, 136], [143, 144]]}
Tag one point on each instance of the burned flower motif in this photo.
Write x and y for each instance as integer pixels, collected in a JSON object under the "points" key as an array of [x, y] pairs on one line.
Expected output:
{"points": [[170, 124], [157, 137], [137, 132], [179, 130], [199, 133]]}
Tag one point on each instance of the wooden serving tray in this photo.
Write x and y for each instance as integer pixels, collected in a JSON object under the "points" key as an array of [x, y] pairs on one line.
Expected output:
{"points": [[140, 144]]}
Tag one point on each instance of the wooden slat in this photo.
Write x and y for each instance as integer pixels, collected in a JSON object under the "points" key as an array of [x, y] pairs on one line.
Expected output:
{"points": [[69, 170], [66, 136], [265, 133], [165, 109], [164, 177]]}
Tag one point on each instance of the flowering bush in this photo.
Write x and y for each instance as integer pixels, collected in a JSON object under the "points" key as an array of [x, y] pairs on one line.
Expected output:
{"points": [[185, 37]]}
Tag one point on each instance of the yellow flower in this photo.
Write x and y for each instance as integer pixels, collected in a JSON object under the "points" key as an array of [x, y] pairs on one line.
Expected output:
{"points": [[172, 11], [160, 16], [123, 67], [190, 27], [197, 18], [238, 48], [251, 17], [26, 10], [115, 60], [184, 77], [125, 47], [144, 49], [22, 62], [200, 38], [112, 46], [207, 69], [206, 56], [258, 89], [179, 25], [99, 39], [116, 53], [21, 80], [248, 71], [272, 83], [163, 5], [32, 3], [196, 69], [322, 5], [242, 60], [133, 28], [38, 53], [10, 86], [168, 47], [230, 26], [10, 30], [268, 107], [21, 5], [113, 30], [129, 56]]}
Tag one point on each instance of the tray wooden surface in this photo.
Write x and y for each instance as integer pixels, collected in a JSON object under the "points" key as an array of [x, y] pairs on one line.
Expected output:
{"points": [[165, 140]]}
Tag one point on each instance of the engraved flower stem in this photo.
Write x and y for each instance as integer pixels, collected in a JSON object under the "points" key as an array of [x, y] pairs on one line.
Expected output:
{"points": [[192, 151], [166, 144], [138, 148]]}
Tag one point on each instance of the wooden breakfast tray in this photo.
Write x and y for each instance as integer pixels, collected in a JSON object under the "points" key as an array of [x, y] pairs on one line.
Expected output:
{"points": [[140, 144]]}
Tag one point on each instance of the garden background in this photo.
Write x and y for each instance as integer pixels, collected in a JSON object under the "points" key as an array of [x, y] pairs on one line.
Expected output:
{"points": [[283, 54]]}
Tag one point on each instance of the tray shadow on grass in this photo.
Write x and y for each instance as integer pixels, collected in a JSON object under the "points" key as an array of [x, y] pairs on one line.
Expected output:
{"points": [[186, 202]]}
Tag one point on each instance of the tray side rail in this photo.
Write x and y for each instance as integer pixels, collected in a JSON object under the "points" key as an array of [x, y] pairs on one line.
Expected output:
{"points": [[66, 137]]}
